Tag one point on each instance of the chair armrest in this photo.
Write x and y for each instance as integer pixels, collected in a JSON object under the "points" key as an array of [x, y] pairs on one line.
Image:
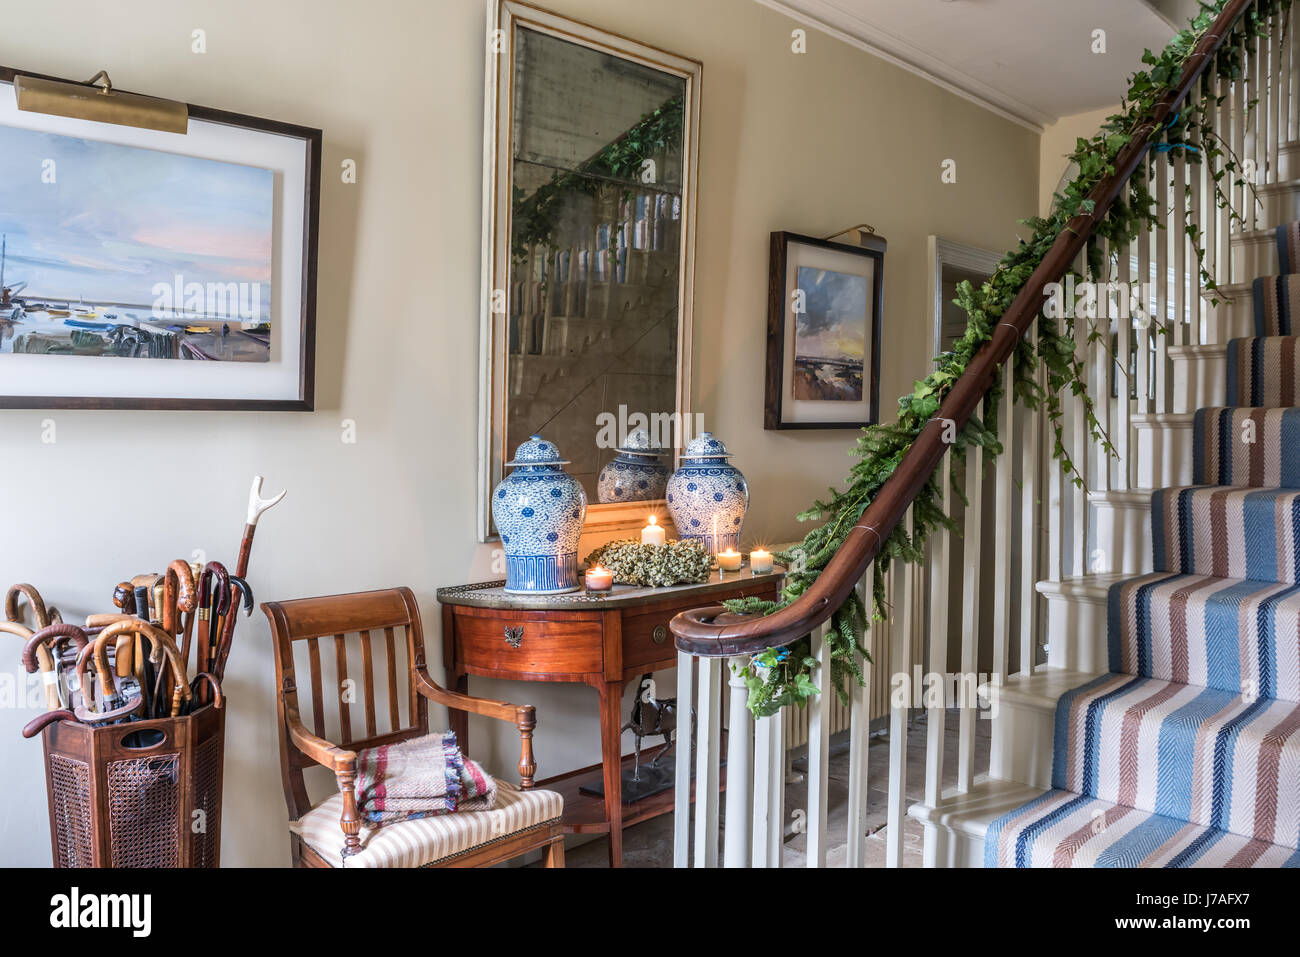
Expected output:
{"points": [[522, 716], [318, 749], [343, 764]]}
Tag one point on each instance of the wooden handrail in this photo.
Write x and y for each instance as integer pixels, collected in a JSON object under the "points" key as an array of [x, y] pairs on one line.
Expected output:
{"points": [[713, 632]]}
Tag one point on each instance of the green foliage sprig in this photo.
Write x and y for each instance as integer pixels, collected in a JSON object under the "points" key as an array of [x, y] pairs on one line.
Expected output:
{"points": [[655, 566], [1045, 371]]}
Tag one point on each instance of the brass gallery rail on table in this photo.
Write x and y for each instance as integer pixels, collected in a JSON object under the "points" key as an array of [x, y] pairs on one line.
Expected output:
{"points": [[713, 633]]}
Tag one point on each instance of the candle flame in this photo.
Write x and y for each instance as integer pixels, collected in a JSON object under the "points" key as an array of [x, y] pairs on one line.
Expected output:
{"points": [[654, 520]]}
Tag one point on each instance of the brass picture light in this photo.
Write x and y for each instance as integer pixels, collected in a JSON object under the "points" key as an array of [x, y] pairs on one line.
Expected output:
{"points": [[98, 101]]}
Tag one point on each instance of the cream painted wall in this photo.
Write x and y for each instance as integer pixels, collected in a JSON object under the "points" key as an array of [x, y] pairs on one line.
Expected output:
{"points": [[1057, 143], [811, 143]]}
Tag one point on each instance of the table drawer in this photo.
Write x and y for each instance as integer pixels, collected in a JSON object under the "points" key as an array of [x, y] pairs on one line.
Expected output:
{"points": [[647, 638], [522, 645]]}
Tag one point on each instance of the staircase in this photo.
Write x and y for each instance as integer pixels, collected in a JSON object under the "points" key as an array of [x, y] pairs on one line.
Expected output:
{"points": [[1186, 752], [1136, 642]]}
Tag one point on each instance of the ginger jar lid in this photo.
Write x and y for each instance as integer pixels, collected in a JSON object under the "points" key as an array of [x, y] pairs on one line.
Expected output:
{"points": [[706, 446], [638, 443], [537, 451]]}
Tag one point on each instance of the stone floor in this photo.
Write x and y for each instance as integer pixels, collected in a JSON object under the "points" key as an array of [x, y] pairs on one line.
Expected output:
{"points": [[650, 844]]}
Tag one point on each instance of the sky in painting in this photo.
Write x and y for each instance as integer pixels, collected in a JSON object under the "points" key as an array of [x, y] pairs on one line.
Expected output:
{"points": [[834, 323], [118, 219]]}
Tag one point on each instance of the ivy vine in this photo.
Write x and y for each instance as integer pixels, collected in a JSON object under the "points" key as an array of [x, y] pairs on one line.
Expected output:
{"points": [[781, 676]]}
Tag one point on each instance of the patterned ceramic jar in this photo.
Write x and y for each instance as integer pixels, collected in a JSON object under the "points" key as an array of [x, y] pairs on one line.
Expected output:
{"points": [[707, 496], [539, 509], [636, 475]]}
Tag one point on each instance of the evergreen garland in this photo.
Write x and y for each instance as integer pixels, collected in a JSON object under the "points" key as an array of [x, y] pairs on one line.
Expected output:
{"points": [[782, 676]]}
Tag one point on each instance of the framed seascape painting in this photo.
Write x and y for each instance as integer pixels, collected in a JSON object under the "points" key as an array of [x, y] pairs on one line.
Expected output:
{"points": [[148, 269], [823, 333]]}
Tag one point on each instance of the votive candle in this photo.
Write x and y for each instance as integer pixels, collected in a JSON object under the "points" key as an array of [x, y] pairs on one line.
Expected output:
{"points": [[760, 561], [729, 561], [653, 534], [599, 579]]}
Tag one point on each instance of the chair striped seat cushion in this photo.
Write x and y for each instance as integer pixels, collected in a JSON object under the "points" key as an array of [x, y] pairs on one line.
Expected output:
{"points": [[1230, 635], [1264, 371], [431, 839], [1275, 300], [1213, 758], [1228, 532], [1247, 446], [1064, 829]]}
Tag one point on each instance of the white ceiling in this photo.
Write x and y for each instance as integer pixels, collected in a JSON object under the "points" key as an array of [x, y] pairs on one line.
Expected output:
{"points": [[1031, 60]]}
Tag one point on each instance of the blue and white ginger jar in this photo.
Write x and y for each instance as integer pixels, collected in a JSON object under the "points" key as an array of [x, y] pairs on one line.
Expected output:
{"points": [[539, 509], [707, 494], [636, 475]]}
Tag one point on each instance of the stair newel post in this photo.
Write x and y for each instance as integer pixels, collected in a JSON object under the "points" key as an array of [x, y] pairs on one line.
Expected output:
{"points": [[860, 734], [819, 725], [934, 694], [682, 760], [740, 752], [900, 664], [707, 752]]}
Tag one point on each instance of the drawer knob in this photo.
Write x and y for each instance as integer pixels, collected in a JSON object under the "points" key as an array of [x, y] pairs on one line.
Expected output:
{"points": [[660, 634], [514, 636]]}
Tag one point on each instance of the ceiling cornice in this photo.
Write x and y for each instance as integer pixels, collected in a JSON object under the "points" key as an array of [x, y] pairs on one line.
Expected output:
{"points": [[832, 19]]}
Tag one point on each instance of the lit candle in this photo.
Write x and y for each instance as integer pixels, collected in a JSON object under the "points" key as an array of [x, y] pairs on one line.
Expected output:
{"points": [[729, 561], [599, 579], [653, 534], [760, 561]]}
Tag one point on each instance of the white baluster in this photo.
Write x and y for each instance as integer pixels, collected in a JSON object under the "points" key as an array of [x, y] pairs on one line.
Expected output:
{"points": [[900, 659], [707, 749], [1029, 511], [769, 790], [1123, 353], [682, 785], [860, 738], [740, 743], [1003, 482], [1160, 330], [970, 625], [938, 640], [819, 747], [1079, 448]]}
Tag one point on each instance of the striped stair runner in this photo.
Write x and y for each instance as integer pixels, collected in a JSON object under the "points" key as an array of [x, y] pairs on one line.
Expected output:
{"points": [[1187, 752]]}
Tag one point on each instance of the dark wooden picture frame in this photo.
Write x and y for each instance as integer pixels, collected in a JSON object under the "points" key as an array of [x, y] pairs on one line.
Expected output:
{"points": [[305, 400], [778, 306]]}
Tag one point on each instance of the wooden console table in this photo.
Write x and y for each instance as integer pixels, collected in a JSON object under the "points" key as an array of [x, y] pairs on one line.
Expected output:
{"points": [[601, 640]]}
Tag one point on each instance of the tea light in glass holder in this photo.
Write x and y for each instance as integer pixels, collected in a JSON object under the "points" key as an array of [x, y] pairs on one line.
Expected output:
{"points": [[760, 561], [653, 534], [599, 579], [729, 561]]}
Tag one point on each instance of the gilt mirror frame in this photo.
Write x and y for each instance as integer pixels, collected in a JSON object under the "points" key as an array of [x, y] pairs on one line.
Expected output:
{"points": [[503, 17]]}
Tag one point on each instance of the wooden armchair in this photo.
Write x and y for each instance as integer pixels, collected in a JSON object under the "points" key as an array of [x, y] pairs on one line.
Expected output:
{"points": [[331, 833]]}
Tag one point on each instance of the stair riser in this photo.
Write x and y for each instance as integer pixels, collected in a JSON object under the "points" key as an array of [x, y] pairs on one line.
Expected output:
{"points": [[1253, 255], [1021, 746], [1288, 161], [1281, 202], [1232, 318], [1076, 632], [1163, 451], [1200, 380], [1123, 537]]}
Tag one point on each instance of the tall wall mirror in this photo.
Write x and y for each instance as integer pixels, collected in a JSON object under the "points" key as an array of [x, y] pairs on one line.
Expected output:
{"points": [[588, 253]]}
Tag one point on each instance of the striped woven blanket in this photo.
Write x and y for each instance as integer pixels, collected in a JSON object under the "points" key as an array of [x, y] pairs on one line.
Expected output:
{"points": [[420, 778]]}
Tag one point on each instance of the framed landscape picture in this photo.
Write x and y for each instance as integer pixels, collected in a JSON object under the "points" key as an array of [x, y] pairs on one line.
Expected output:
{"points": [[142, 269], [823, 332]]}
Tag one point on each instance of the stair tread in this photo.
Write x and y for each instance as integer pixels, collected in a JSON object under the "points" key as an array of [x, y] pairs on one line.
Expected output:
{"points": [[1063, 829], [972, 812], [1043, 688]]}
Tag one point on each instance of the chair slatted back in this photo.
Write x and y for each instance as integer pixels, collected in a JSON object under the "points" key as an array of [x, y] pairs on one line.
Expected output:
{"points": [[340, 640]]}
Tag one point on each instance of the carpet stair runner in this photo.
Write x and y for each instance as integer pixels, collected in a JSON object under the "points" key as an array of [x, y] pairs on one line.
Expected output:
{"points": [[1187, 753]]}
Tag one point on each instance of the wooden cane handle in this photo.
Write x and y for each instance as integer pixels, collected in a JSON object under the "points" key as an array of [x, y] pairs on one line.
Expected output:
{"points": [[39, 724], [36, 654], [14, 613]]}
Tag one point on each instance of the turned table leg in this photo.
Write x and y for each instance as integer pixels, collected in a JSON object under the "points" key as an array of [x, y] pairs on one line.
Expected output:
{"points": [[611, 759]]}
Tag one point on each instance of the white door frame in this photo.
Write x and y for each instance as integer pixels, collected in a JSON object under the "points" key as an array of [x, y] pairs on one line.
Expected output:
{"points": [[945, 252]]}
